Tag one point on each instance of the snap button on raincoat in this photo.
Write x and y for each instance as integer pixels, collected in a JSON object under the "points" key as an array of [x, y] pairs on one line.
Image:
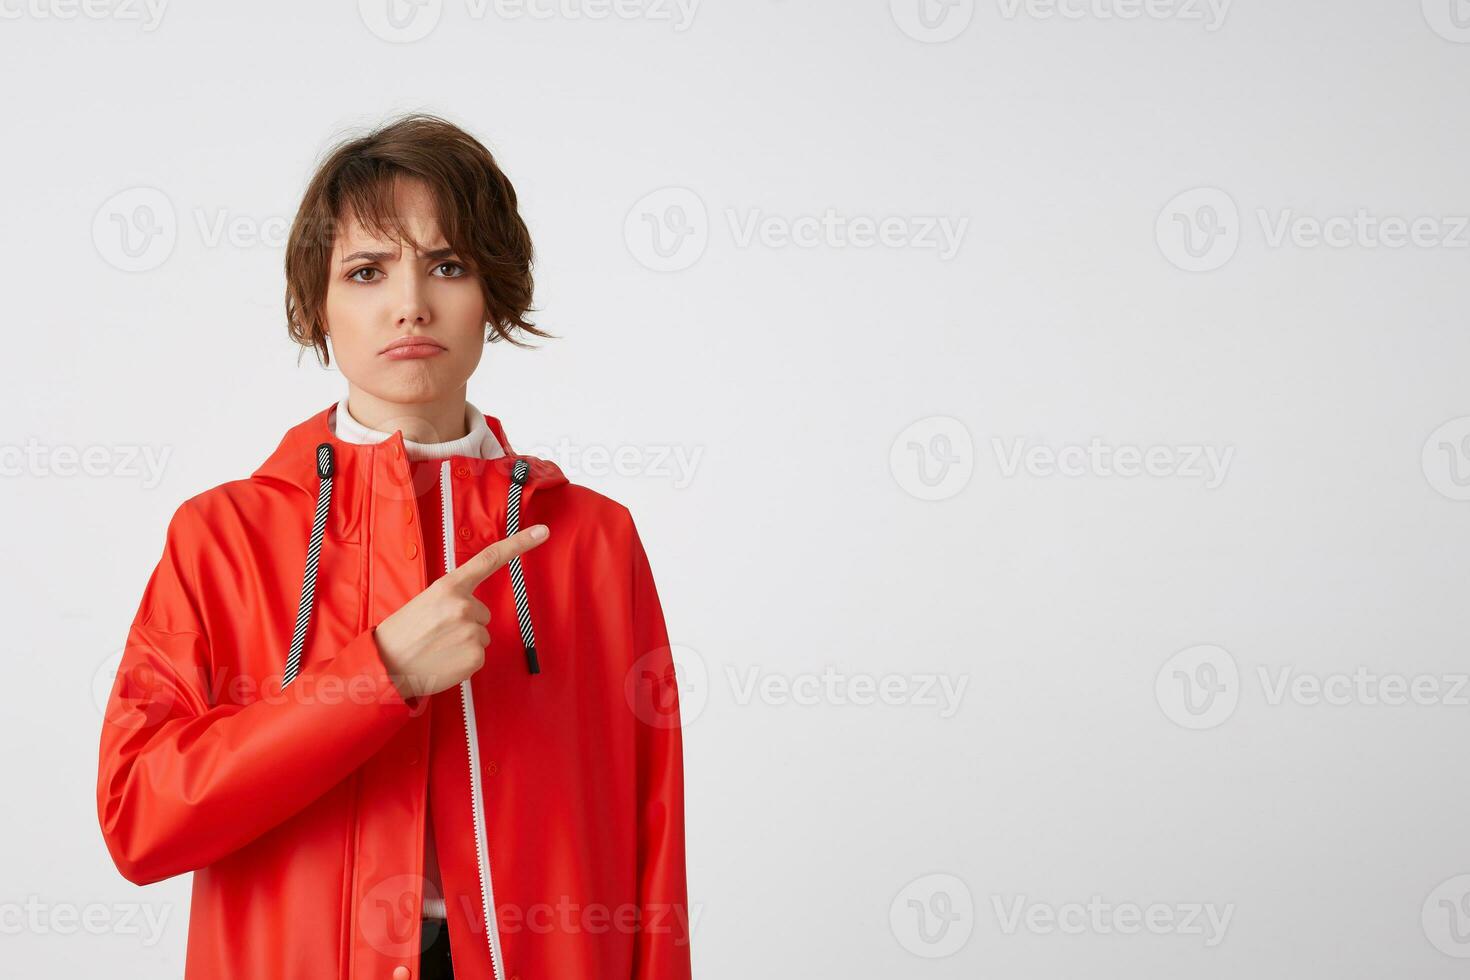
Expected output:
{"points": [[254, 738]]}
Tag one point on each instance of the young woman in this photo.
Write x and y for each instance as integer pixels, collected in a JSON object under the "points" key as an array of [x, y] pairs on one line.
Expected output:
{"points": [[403, 698]]}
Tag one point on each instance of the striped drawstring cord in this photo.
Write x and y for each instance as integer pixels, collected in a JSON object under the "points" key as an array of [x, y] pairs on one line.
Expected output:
{"points": [[313, 552], [517, 579]]}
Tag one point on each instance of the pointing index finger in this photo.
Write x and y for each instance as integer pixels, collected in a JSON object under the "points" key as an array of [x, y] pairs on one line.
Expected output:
{"points": [[493, 556]]}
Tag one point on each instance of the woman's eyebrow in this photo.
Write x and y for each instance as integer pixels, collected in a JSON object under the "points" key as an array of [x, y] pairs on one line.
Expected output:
{"points": [[438, 253]]}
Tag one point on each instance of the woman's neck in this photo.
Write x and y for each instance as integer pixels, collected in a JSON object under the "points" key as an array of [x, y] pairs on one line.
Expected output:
{"points": [[443, 419]]}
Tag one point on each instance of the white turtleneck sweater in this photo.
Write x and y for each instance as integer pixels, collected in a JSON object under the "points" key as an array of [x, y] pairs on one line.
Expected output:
{"points": [[478, 441]]}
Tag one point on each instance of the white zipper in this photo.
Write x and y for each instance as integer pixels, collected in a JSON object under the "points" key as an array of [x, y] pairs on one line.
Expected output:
{"points": [[477, 801]]}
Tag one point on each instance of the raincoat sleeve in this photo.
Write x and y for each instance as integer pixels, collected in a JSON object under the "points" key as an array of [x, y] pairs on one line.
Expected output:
{"points": [[181, 781], [662, 948]]}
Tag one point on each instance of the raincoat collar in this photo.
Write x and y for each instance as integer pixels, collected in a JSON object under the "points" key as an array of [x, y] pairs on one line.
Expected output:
{"points": [[294, 460]]}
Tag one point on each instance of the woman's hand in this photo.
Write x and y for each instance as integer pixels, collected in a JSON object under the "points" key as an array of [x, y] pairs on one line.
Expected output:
{"points": [[438, 638]]}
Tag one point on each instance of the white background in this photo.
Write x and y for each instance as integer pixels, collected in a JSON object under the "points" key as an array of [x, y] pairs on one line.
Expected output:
{"points": [[811, 383]]}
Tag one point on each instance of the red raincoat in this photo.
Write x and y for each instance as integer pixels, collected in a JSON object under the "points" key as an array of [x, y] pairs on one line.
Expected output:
{"points": [[298, 797]]}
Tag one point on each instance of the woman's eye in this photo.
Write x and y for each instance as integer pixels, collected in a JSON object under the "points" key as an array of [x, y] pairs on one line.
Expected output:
{"points": [[366, 268], [459, 269]]}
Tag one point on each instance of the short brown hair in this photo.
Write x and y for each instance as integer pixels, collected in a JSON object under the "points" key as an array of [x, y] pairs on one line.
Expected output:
{"points": [[477, 214]]}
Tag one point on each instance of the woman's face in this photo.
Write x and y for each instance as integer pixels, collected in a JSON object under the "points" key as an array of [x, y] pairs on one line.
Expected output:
{"points": [[381, 291]]}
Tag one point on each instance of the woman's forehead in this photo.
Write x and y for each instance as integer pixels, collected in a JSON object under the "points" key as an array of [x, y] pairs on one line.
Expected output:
{"points": [[404, 211], [421, 235]]}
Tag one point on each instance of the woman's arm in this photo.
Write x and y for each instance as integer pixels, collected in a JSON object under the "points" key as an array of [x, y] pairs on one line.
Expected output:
{"points": [[662, 949], [181, 782]]}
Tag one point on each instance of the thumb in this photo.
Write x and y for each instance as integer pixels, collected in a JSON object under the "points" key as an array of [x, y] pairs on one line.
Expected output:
{"points": [[493, 556]]}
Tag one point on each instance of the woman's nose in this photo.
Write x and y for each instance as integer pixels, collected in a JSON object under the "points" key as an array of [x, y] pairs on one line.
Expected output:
{"points": [[412, 300]]}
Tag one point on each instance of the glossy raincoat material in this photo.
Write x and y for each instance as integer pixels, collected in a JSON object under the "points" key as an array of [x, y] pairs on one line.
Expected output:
{"points": [[556, 796]]}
